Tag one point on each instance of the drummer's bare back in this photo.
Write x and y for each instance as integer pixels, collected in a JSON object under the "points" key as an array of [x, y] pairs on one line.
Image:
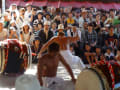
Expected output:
{"points": [[48, 65]]}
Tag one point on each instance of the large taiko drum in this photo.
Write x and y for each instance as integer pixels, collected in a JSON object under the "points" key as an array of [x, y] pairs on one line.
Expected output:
{"points": [[102, 76], [15, 56]]}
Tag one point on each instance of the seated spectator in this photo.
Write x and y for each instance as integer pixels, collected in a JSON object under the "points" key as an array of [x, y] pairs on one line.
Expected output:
{"points": [[109, 55], [89, 56], [25, 34], [111, 38], [40, 26], [61, 29], [39, 18], [12, 33], [91, 36], [54, 28], [98, 53], [36, 49], [6, 20], [70, 19]]}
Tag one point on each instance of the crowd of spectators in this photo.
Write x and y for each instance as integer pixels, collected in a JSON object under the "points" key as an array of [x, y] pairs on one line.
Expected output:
{"points": [[98, 30]]}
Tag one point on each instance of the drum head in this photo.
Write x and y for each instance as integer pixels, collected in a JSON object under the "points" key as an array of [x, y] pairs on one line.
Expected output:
{"points": [[88, 80]]}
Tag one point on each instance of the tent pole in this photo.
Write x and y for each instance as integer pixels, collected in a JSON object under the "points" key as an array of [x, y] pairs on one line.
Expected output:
{"points": [[3, 6]]}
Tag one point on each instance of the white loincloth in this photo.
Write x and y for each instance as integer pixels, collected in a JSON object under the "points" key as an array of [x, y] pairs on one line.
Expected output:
{"points": [[72, 60], [56, 83], [53, 83]]}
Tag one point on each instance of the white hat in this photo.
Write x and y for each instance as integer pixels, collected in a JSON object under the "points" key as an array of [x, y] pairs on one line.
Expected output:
{"points": [[47, 23], [13, 21], [27, 82], [12, 28], [5, 14], [60, 26], [28, 4], [25, 23]]}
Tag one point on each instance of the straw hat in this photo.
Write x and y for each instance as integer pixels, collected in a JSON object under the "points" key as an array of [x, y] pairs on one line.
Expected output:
{"points": [[47, 23], [60, 26], [27, 82]]}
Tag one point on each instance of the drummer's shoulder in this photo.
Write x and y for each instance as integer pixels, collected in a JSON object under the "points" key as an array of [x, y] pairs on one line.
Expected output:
{"points": [[45, 56]]}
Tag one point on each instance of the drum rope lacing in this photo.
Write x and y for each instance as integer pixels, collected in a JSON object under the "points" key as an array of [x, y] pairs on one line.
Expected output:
{"points": [[110, 70]]}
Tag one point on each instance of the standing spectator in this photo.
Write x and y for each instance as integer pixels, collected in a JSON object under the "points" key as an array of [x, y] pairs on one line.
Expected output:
{"points": [[45, 34], [3, 32], [82, 18], [77, 17], [63, 20], [73, 33], [21, 18], [28, 10], [83, 31], [33, 16], [97, 24], [13, 8]]}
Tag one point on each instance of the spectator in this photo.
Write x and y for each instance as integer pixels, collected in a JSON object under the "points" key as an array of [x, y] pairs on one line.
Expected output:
{"points": [[28, 11], [36, 49], [111, 38], [45, 34], [25, 34], [54, 28], [21, 18], [109, 55], [6, 20], [82, 18], [3, 32], [91, 36], [13, 33], [70, 19], [89, 56]]}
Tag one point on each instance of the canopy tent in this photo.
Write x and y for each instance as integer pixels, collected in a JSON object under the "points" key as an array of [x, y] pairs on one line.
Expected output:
{"points": [[62, 3]]}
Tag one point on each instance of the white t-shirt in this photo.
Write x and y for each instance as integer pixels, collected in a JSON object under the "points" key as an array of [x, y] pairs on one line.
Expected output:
{"points": [[3, 34]]}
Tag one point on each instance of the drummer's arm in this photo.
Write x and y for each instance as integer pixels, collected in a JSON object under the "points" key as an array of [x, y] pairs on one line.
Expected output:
{"points": [[73, 39], [21, 36], [39, 71], [67, 67], [45, 46]]}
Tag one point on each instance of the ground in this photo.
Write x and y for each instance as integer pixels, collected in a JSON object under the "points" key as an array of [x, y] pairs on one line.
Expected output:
{"points": [[8, 82]]}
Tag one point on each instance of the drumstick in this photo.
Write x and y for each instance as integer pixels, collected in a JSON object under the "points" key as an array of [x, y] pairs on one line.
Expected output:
{"points": [[34, 54]]}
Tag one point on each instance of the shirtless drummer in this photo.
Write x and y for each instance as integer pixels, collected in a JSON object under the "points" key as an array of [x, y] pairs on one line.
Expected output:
{"points": [[47, 67]]}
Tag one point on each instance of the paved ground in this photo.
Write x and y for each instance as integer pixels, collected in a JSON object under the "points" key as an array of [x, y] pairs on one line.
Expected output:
{"points": [[8, 82]]}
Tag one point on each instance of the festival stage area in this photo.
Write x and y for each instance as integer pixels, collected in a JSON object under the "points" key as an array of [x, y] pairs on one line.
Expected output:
{"points": [[8, 82]]}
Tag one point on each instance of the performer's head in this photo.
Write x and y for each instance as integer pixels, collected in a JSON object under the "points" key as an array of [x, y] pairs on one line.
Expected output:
{"points": [[53, 49], [61, 34]]}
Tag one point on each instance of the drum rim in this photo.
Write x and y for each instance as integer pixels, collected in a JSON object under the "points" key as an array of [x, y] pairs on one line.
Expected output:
{"points": [[104, 78], [100, 78]]}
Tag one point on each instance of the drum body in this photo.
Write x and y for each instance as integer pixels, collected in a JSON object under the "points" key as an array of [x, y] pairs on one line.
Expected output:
{"points": [[15, 56], [98, 77]]}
